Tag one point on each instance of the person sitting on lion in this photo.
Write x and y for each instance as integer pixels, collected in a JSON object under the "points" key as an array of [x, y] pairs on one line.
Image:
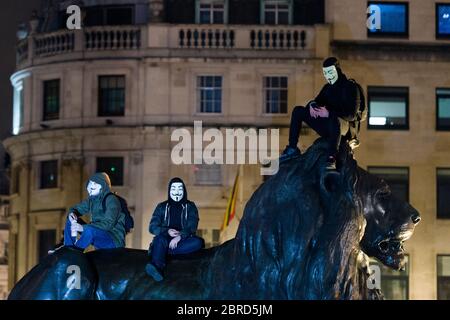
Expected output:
{"points": [[107, 229], [174, 224], [336, 111]]}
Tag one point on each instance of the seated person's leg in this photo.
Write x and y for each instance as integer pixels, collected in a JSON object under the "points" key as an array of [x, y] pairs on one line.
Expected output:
{"points": [[95, 236], [68, 239], [334, 139], [188, 245], [297, 117], [160, 246]]}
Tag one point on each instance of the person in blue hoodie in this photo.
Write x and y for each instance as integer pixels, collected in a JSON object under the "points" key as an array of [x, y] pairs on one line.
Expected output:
{"points": [[174, 225]]}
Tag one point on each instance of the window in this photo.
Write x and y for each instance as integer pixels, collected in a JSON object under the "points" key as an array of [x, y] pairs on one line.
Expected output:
{"points": [[443, 109], [111, 96], [51, 100], [212, 11], [208, 174], [209, 94], [394, 284], [211, 237], [394, 19], [396, 178], [442, 20], [49, 174], [275, 94], [443, 277], [108, 15], [113, 166], [46, 241], [388, 108], [276, 12], [443, 193]]}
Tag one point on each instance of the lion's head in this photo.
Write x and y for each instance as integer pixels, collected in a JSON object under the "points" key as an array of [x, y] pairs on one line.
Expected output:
{"points": [[390, 221]]}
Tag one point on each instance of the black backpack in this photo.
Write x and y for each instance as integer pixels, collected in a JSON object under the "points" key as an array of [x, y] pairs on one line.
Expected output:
{"points": [[129, 221], [361, 110]]}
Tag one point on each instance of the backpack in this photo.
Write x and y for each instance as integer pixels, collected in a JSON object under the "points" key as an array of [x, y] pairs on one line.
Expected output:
{"points": [[361, 112], [129, 221]]}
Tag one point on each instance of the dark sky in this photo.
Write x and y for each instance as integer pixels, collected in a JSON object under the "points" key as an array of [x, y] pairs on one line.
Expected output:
{"points": [[12, 12]]}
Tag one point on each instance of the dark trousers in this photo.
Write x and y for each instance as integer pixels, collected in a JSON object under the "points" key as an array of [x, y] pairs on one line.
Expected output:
{"points": [[99, 238], [328, 128], [160, 248]]}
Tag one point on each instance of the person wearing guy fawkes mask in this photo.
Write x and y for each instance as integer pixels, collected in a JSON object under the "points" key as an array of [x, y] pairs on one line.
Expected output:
{"points": [[174, 224], [337, 103], [107, 227]]}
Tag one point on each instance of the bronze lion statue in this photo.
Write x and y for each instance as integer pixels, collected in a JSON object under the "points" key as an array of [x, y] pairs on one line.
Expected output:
{"points": [[304, 235]]}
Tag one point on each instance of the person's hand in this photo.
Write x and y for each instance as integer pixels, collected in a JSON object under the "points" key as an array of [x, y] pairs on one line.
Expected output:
{"points": [[76, 227], [174, 242], [313, 112], [73, 218], [173, 233], [322, 112]]}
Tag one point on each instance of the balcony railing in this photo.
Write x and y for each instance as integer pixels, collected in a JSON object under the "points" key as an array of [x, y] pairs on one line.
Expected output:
{"points": [[112, 38], [156, 39], [54, 43]]}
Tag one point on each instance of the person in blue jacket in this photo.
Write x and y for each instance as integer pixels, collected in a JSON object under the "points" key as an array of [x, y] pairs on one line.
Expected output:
{"points": [[174, 225]]}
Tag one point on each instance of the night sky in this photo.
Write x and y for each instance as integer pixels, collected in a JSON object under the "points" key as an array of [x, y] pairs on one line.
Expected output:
{"points": [[12, 12]]}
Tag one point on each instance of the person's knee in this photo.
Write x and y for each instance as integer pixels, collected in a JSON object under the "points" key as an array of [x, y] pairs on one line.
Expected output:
{"points": [[88, 230], [160, 239], [298, 111]]}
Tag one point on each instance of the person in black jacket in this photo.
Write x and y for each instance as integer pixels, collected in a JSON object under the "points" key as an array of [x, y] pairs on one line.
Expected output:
{"points": [[338, 99], [174, 224]]}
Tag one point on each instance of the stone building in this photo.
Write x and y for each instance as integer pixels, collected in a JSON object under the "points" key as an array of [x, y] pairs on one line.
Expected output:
{"points": [[107, 97]]}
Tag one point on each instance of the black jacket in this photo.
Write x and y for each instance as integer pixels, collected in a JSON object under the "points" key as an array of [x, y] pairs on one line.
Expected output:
{"points": [[160, 221], [340, 98]]}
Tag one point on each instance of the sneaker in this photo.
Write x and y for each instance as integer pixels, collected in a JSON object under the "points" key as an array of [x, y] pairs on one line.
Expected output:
{"points": [[354, 143], [289, 153], [331, 163], [56, 248], [154, 272]]}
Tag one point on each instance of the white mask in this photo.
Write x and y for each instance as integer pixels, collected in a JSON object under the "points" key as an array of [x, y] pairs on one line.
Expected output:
{"points": [[176, 191], [331, 74], [93, 188]]}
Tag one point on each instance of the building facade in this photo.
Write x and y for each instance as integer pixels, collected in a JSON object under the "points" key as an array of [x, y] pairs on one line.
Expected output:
{"points": [[108, 97]]}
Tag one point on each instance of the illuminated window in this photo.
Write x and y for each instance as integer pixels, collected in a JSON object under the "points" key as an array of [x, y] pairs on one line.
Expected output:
{"points": [[113, 166], [209, 94], [212, 11], [394, 19], [394, 284], [276, 12], [51, 100], [443, 193], [275, 94], [388, 108], [48, 174], [111, 96], [443, 277], [443, 20], [396, 178], [443, 109]]}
